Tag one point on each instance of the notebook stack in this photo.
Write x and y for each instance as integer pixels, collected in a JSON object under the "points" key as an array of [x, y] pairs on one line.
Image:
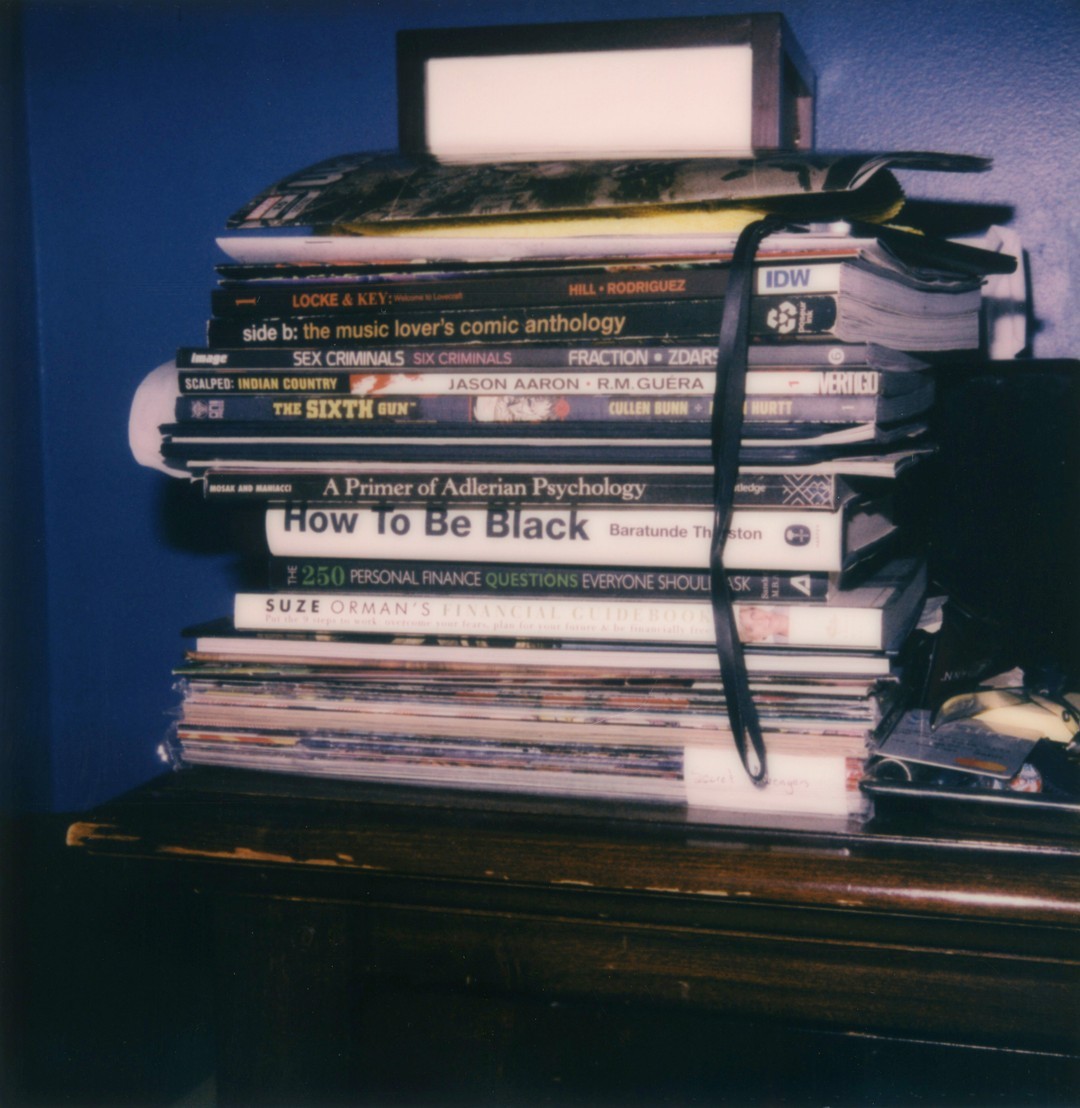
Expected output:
{"points": [[487, 462]]}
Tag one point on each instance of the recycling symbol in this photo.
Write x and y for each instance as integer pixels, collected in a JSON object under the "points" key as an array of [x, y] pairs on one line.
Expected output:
{"points": [[783, 317]]}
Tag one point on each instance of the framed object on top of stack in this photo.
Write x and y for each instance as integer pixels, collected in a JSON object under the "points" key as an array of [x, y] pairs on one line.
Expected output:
{"points": [[627, 88]]}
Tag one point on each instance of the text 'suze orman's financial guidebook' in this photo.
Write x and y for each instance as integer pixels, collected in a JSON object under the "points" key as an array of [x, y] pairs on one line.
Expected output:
{"points": [[482, 420]]}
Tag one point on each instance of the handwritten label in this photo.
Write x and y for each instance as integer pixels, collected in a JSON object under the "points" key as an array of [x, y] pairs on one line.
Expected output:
{"points": [[819, 783]]}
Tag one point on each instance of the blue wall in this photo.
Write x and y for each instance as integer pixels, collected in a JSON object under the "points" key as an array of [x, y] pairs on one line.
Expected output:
{"points": [[148, 122], [24, 753]]}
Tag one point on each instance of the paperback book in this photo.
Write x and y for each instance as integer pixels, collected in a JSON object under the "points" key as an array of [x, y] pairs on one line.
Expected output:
{"points": [[545, 660], [597, 356], [790, 383], [586, 582], [612, 487], [206, 445], [378, 192], [571, 410], [942, 321], [866, 275], [796, 540]]}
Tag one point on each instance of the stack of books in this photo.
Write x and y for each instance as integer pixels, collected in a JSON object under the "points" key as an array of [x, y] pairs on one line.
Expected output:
{"points": [[487, 469]]}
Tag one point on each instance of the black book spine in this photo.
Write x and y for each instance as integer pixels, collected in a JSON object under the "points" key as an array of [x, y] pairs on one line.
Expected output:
{"points": [[209, 361], [483, 579], [596, 488], [566, 410], [794, 317], [338, 434], [209, 445], [507, 290], [532, 381]]}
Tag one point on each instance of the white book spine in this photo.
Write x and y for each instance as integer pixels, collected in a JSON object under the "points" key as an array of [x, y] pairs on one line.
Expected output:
{"points": [[689, 622], [805, 541], [380, 654]]}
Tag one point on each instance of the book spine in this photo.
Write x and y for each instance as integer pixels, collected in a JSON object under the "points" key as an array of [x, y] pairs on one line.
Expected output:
{"points": [[687, 622], [522, 289], [794, 317], [514, 289], [597, 263], [444, 356], [808, 382], [582, 582], [803, 541], [550, 656], [818, 491], [569, 409]]}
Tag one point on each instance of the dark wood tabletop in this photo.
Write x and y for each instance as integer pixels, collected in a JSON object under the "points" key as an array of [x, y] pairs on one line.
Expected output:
{"points": [[908, 929]]}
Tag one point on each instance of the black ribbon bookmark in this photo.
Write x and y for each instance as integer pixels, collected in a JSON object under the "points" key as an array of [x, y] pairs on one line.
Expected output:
{"points": [[726, 434]]}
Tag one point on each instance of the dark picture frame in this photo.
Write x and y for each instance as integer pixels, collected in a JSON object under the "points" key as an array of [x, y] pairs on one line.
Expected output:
{"points": [[783, 83]]}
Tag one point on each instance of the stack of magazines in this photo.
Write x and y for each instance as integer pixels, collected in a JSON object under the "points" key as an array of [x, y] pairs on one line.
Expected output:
{"points": [[486, 459]]}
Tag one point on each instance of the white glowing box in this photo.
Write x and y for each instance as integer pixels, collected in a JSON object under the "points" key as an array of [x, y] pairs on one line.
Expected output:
{"points": [[656, 87]]}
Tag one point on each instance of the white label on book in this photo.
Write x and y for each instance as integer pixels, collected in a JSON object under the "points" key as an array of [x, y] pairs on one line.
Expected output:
{"points": [[797, 783], [805, 278]]}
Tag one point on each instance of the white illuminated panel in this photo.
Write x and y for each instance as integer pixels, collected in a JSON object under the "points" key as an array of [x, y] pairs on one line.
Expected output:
{"points": [[690, 100]]}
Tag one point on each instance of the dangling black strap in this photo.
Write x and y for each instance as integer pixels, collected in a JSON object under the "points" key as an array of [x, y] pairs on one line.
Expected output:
{"points": [[727, 420]]}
